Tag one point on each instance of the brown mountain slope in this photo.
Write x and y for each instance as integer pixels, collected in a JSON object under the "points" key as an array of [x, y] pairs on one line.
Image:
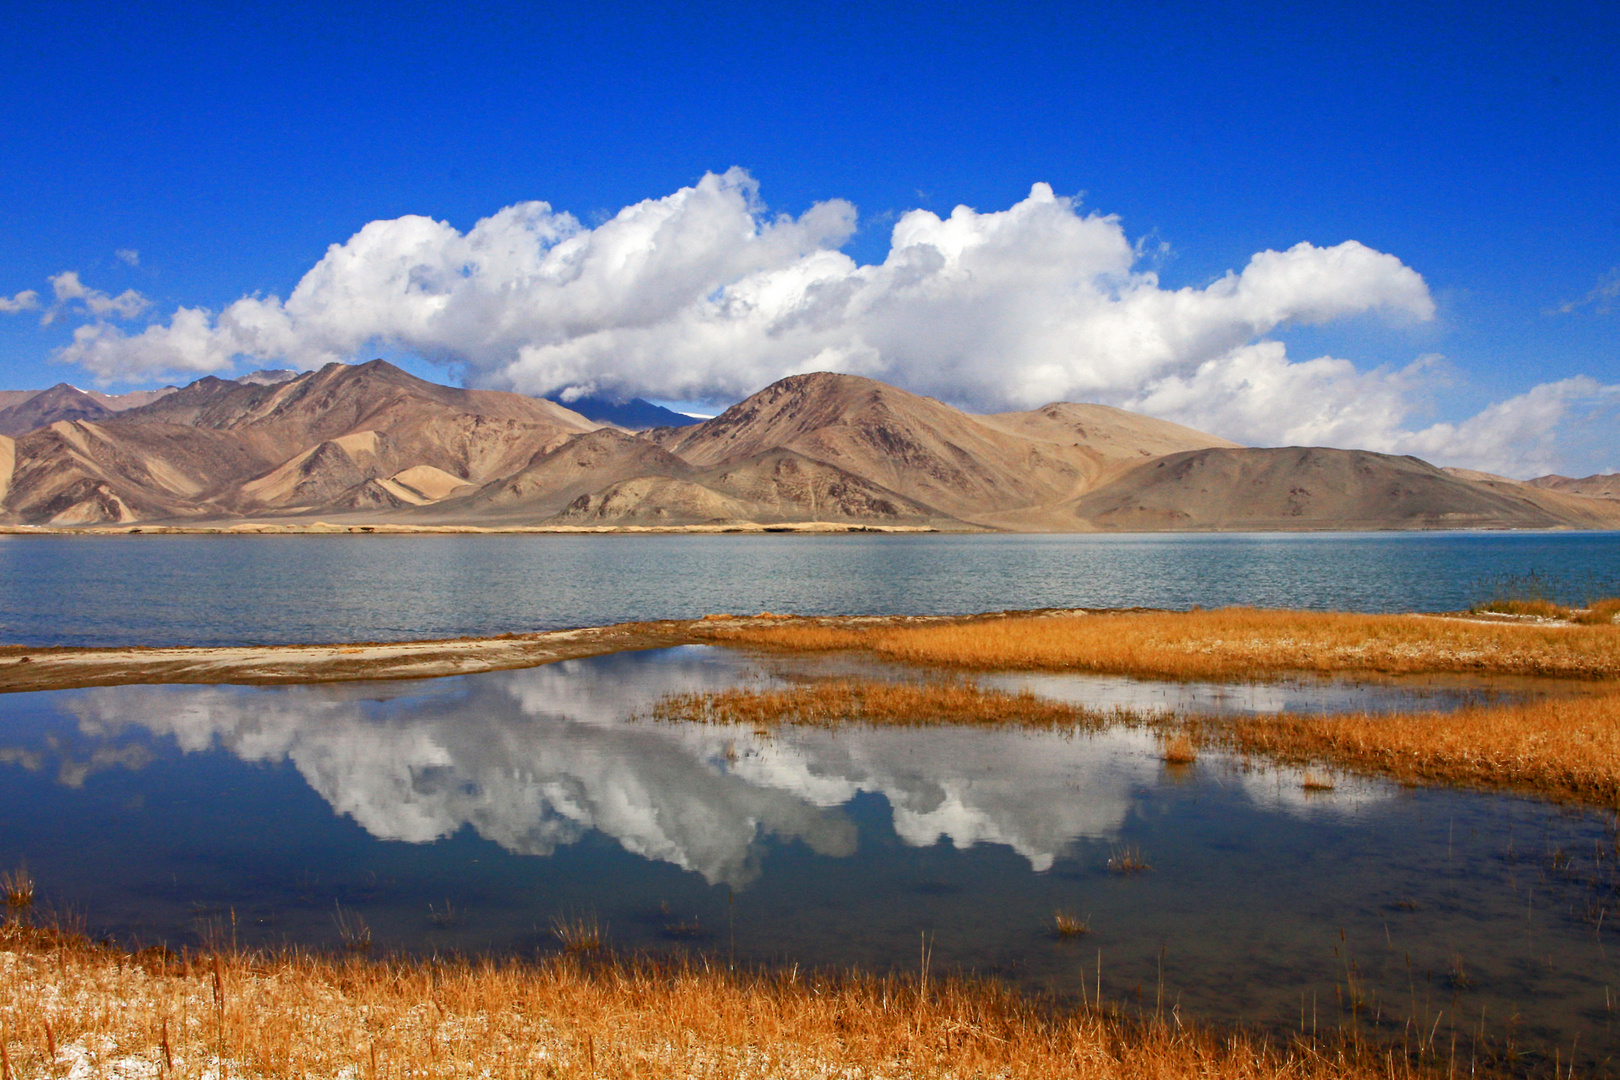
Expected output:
{"points": [[60, 402], [775, 486], [995, 470], [1320, 488], [1598, 485], [556, 477], [391, 419], [80, 472], [132, 400], [218, 448], [111, 402], [8, 462]]}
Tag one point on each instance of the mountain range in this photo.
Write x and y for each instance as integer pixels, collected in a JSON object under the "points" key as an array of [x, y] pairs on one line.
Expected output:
{"points": [[371, 443]]}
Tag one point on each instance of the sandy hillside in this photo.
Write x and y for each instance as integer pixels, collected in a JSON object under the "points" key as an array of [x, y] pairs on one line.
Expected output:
{"points": [[1321, 488]]}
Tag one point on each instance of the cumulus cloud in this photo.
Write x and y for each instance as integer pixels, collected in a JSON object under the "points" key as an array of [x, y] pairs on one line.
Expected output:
{"points": [[74, 295], [128, 256], [704, 295], [27, 300]]}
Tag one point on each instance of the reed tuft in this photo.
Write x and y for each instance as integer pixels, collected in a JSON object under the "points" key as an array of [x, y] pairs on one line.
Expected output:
{"points": [[577, 934], [1066, 924], [18, 886], [1128, 860], [1178, 749]]}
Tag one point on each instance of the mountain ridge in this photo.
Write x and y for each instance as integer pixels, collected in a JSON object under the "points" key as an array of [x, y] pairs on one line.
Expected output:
{"points": [[374, 444]]}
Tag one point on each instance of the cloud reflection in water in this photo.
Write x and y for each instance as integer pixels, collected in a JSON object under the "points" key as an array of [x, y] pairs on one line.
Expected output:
{"points": [[534, 759]]}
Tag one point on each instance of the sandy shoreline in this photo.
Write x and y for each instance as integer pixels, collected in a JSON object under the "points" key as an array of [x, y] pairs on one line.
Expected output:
{"points": [[25, 668]]}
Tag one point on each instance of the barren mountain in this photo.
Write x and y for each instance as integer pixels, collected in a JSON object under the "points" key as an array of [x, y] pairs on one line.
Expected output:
{"points": [[556, 477], [22, 411], [999, 470], [219, 448], [775, 486], [60, 402], [371, 443], [1320, 488], [1598, 485]]}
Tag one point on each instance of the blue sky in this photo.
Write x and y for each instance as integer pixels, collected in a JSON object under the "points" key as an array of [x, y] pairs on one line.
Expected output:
{"points": [[223, 148]]}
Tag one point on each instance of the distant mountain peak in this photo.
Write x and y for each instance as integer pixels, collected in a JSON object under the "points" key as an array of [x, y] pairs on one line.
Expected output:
{"points": [[637, 413], [267, 377]]}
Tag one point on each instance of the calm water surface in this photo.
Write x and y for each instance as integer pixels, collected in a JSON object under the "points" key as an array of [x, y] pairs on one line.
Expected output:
{"points": [[198, 590], [468, 813]]}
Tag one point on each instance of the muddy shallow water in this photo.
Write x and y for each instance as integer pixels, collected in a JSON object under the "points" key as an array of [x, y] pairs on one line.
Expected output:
{"points": [[469, 813]]}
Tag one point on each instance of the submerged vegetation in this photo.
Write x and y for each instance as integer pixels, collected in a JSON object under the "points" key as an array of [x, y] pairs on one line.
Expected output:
{"points": [[74, 1009], [1227, 644]]}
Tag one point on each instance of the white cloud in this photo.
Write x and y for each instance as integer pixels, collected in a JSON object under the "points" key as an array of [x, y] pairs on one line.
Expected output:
{"points": [[702, 295], [74, 295], [1600, 297], [27, 300], [128, 256], [1255, 394]]}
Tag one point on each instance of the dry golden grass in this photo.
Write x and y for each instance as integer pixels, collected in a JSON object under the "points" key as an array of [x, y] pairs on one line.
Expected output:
{"points": [[70, 1009], [1565, 748], [1179, 749], [1230, 643], [1536, 607], [872, 701], [1598, 612]]}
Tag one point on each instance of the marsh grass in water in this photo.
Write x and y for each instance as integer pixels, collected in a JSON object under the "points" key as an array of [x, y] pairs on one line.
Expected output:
{"points": [[1066, 924], [1314, 781], [577, 934], [1178, 749], [834, 702], [75, 1009], [1565, 748], [1128, 860], [18, 887], [352, 929], [1224, 644]]}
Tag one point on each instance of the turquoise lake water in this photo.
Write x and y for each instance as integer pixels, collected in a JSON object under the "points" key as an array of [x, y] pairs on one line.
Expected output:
{"points": [[260, 590]]}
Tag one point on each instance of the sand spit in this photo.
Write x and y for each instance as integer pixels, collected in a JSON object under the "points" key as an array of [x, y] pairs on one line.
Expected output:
{"points": [[25, 669], [324, 528]]}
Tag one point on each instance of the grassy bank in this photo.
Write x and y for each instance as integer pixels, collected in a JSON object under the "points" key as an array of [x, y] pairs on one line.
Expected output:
{"points": [[72, 1009], [1228, 644], [1566, 748]]}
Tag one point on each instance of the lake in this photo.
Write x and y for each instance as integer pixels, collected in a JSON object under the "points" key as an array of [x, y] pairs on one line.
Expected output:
{"points": [[215, 590], [468, 814]]}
